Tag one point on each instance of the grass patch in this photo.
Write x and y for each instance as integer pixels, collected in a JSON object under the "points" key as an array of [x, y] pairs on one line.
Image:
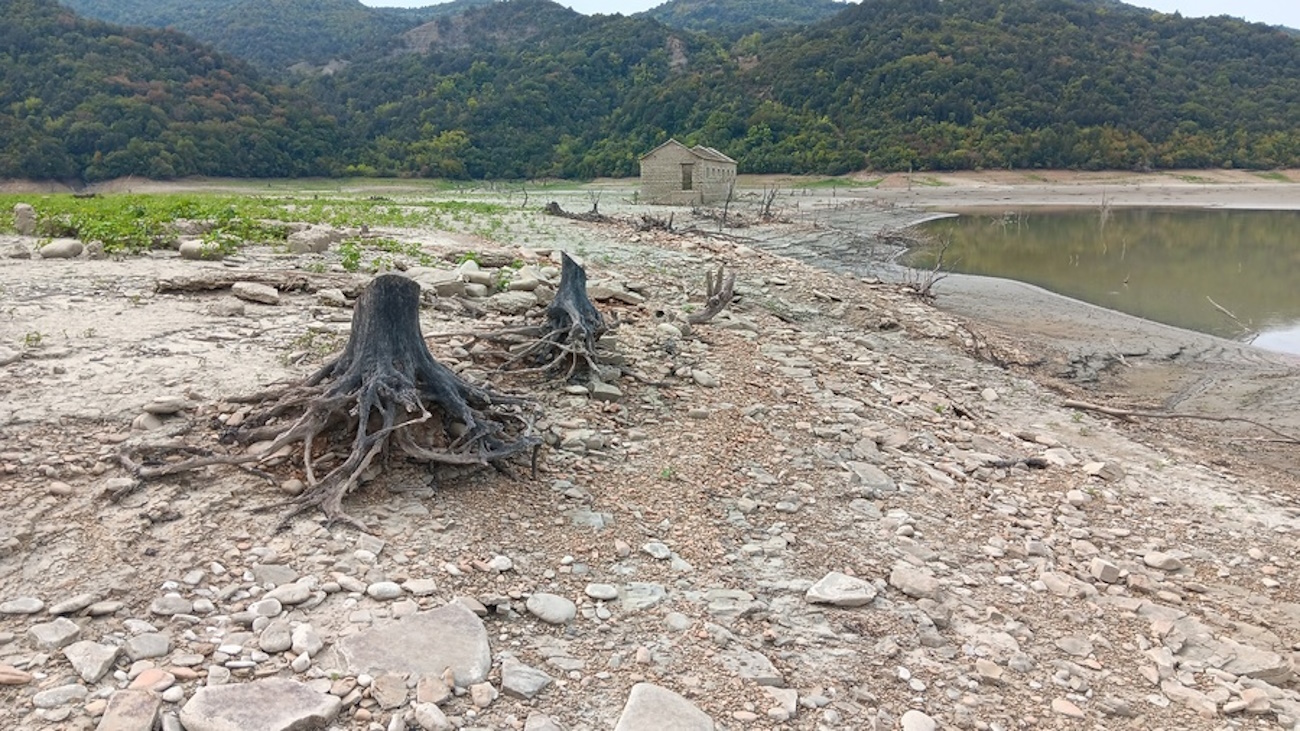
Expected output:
{"points": [[1273, 175], [835, 183]]}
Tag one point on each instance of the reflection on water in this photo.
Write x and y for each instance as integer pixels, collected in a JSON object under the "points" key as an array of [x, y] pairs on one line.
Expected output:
{"points": [[1171, 266]]}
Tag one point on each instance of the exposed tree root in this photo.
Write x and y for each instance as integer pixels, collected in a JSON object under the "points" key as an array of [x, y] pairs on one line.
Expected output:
{"points": [[384, 393], [565, 345]]}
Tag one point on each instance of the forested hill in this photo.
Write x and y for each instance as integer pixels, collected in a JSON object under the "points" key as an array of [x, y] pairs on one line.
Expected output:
{"points": [[735, 18], [84, 100], [275, 34], [528, 88], [886, 84]]}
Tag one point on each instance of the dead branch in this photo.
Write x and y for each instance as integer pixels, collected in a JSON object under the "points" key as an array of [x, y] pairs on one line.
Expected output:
{"points": [[283, 280], [1245, 329], [594, 216], [1283, 437], [720, 287]]}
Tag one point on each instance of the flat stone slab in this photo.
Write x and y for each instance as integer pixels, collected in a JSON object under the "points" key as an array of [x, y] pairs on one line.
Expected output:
{"points": [[652, 708], [841, 590], [423, 644], [275, 704], [130, 710], [91, 660]]}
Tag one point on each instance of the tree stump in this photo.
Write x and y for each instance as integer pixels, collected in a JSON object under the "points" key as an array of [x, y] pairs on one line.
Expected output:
{"points": [[565, 345], [384, 392]]}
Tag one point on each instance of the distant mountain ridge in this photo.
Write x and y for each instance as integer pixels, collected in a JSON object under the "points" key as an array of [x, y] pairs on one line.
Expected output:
{"points": [[275, 34], [735, 18]]}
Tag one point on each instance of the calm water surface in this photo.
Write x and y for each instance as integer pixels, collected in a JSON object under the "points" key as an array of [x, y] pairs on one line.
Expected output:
{"points": [[1160, 264]]}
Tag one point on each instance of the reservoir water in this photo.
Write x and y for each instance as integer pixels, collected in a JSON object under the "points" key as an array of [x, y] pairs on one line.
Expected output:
{"points": [[1231, 273]]}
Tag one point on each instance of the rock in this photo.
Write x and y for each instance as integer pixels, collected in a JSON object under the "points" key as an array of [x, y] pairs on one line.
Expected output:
{"points": [[290, 594], [551, 608], [657, 550], [276, 637], [61, 249], [24, 219], [389, 690], [313, 240], [16, 250], [482, 694], [9, 355], [274, 573], [1252, 662], [1066, 708], [1162, 561], [914, 582], [75, 604], [54, 635], [384, 590], [652, 708], [22, 605], [60, 695], [90, 659], [130, 710], [639, 596], [1103, 570], [431, 718], [841, 590], [426, 643], [606, 392], [441, 282], [871, 479], [1190, 697], [196, 250], [541, 722], [420, 587], [512, 303], [704, 378], [167, 606], [751, 665], [10, 675], [273, 704], [915, 720], [254, 292], [306, 641], [602, 592], [522, 681], [147, 645], [1075, 646], [989, 395]]}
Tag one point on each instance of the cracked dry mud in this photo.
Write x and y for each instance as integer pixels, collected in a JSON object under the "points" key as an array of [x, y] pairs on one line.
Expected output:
{"points": [[824, 516]]}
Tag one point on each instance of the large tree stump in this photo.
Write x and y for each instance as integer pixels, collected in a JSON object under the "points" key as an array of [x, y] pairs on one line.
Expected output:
{"points": [[385, 392]]}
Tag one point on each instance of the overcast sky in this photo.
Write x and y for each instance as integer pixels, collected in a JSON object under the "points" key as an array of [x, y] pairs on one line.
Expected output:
{"points": [[1273, 12]]}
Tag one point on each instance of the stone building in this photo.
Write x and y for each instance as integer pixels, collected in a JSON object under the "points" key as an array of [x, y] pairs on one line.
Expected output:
{"points": [[674, 174]]}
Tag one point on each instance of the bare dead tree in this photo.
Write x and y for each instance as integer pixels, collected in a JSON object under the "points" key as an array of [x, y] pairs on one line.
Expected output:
{"points": [[720, 289], [922, 281], [766, 201], [384, 394]]}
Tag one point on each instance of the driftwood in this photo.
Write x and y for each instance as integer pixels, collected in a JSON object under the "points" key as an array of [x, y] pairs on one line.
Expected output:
{"points": [[720, 288], [1282, 437], [593, 216], [385, 393], [284, 281], [564, 345]]}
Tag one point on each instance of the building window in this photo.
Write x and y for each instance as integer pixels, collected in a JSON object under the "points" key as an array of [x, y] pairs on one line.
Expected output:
{"points": [[688, 178]]}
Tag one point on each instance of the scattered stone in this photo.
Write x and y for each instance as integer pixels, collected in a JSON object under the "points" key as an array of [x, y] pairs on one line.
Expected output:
{"points": [[290, 594], [511, 302], [420, 587], [522, 681], [652, 708], [541, 722], [657, 550], [1162, 561], [915, 720], [276, 637], [384, 590], [130, 710], [197, 250], [90, 659], [606, 392], [313, 240], [841, 590], [147, 645], [751, 665], [1103, 570], [271, 704], [24, 219], [61, 249], [54, 635], [1190, 697], [482, 694], [914, 582], [602, 592], [74, 604], [426, 643], [61, 695], [1065, 707], [23, 605], [389, 690], [551, 608], [10, 675], [639, 596], [871, 479], [254, 292], [167, 606], [431, 718], [306, 641]]}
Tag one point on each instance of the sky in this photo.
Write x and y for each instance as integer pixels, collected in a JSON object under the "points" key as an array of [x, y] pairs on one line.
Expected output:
{"points": [[1273, 12]]}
